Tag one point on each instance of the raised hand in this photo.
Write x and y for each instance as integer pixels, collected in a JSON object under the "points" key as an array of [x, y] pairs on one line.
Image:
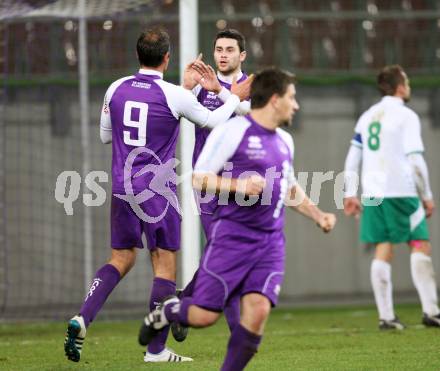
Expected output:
{"points": [[191, 76], [242, 89], [208, 79]]}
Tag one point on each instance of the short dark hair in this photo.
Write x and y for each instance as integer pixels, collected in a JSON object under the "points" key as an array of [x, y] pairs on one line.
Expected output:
{"points": [[151, 47], [268, 82], [232, 34], [389, 78]]}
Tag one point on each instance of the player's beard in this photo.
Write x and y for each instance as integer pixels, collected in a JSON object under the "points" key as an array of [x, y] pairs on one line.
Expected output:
{"points": [[230, 68]]}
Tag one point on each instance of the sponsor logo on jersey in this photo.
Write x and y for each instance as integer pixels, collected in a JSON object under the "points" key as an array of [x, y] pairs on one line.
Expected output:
{"points": [[255, 149], [141, 85], [211, 95], [254, 142]]}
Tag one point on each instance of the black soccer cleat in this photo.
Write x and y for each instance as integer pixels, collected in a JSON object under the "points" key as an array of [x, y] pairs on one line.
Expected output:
{"points": [[155, 321], [431, 321], [148, 332], [179, 331], [393, 324]]}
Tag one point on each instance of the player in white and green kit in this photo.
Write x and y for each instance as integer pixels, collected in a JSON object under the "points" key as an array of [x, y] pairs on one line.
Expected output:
{"points": [[396, 196]]}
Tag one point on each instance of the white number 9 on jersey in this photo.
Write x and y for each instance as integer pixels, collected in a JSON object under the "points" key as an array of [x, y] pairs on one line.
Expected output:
{"points": [[140, 124]]}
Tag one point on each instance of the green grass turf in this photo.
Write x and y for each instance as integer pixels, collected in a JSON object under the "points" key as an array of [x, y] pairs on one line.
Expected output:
{"points": [[300, 339]]}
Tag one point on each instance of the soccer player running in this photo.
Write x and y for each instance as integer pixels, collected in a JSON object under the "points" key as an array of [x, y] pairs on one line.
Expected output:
{"points": [[229, 54], [140, 116], [388, 141], [246, 250]]}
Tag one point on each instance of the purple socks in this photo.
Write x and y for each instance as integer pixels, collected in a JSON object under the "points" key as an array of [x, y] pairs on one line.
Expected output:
{"points": [[242, 346], [106, 279], [232, 312], [161, 289], [178, 312]]}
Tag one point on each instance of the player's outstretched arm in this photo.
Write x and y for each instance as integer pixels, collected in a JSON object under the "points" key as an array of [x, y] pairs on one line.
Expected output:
{"points": [[244, 107], [298, 201], [212, 183]]}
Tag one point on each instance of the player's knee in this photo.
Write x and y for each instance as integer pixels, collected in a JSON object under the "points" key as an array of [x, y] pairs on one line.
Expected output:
{"points": [[260, 313], [384, 252], [256, 309], [164, 263], [422, 246]]}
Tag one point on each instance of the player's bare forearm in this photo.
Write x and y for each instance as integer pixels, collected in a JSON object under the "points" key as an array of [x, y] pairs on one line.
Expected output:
{"points": [[298, 200], [212, 183]]}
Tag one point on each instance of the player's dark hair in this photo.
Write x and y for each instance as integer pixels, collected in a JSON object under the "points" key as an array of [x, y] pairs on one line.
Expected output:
{"points": [[151, 47], [268, 82], [230, 33], [389, 78]]}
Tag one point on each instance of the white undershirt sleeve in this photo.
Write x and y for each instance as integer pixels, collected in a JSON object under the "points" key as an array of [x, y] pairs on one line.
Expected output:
{"points": [[421, 175], [196, 90], [243, 108], [105, 131], [184, 104], [221, 145], [412, 136], [287, 138], [351, 170]]}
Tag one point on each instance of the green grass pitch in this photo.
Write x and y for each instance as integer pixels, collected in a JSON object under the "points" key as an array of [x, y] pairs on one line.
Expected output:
{"points": [[300, 339]]}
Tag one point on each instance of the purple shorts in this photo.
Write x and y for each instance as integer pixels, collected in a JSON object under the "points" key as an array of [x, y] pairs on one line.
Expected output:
{"points": [[238, 261], [156, 218]]}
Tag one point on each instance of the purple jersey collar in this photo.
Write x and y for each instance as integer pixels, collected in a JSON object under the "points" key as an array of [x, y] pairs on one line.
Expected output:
{"points": [[242, 78], [258, 127]]}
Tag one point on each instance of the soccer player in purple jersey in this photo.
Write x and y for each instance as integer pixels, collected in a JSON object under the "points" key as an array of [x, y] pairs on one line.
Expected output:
{"points": [[140, 116], [229, 54], [246, 250]]}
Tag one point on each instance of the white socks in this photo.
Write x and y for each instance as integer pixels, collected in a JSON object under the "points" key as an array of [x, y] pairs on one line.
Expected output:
{"points": [[380, 275], [422, 273]]}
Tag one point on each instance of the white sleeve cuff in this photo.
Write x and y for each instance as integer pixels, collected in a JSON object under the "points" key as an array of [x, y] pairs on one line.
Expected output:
{"points": [[224, 94]]}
